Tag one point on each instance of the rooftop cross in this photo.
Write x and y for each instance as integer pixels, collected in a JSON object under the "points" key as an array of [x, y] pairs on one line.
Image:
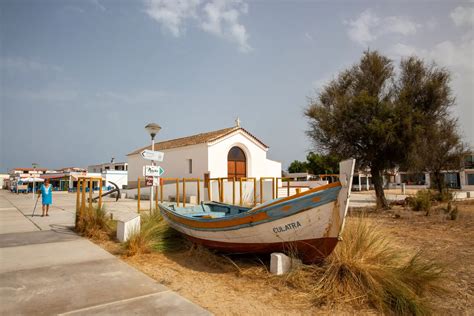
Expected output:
{"points": [[237, 122]]}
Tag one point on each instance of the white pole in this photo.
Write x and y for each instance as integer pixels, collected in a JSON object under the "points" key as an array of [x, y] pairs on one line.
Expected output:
{"points": [[152, 163]]}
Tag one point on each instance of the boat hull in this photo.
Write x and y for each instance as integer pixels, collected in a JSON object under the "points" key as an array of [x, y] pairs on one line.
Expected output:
{"points": [[309, 234], [309, 250], [307, 224]]}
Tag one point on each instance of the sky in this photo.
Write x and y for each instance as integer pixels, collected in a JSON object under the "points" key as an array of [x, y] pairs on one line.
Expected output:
{"points": [[79, 80]]}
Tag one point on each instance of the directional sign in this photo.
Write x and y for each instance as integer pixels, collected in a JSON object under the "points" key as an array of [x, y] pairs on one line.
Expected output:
{"points": [[153, 171], [152, 155], [148, 181]]}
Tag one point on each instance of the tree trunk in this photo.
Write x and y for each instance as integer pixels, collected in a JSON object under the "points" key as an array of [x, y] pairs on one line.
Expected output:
{"points": [[439, 181], [377, 179]]}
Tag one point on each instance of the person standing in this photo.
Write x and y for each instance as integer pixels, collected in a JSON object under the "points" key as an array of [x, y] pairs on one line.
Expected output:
{"points": [[46, 192]]}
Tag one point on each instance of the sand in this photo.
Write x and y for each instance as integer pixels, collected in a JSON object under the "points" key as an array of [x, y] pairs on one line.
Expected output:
{"points": [[224, 289]]}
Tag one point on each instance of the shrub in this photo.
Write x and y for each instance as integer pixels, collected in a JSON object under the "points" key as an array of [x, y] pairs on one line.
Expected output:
{"points": [[94, 223], [452, 212], [154, 235], [421, 202], [367, 269]]}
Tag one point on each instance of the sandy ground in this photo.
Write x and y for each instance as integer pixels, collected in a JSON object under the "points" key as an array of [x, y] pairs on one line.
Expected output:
{"points": [[226, 290]]}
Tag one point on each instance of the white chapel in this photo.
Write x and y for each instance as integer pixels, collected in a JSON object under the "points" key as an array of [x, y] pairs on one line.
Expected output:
{"points": [[230, 152]]}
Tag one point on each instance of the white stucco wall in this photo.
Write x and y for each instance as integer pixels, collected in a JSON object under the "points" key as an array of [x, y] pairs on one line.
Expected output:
{"points": [[257, 163], [118, 177], [209, 158], [174, 162]]}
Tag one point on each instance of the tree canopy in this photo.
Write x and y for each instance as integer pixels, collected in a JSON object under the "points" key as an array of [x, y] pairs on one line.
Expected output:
{"points": [[369, 113]]}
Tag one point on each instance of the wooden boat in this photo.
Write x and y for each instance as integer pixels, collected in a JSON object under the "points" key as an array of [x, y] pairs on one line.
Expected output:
{"points": [[308, 224]]}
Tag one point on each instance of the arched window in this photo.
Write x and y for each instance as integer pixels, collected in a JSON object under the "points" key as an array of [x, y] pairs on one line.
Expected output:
{"points": [[236, 163]]}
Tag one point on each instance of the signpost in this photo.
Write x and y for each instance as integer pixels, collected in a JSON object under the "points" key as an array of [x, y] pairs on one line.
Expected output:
{"points": [[149, 181], [152, 155], [153, 171]]}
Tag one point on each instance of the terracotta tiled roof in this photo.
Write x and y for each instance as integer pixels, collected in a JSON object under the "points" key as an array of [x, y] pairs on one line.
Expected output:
{"points": [[196, 139]]}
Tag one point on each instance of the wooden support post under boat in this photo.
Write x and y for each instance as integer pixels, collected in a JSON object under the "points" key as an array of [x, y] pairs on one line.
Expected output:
{"points": [[138, 195]]}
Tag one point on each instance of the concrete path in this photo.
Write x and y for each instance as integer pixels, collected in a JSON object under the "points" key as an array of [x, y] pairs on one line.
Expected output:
{"points": [[46, 269]]}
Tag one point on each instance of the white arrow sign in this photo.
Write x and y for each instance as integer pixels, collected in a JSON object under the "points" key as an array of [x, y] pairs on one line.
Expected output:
{"points": [[152, 155], [153, 171]]}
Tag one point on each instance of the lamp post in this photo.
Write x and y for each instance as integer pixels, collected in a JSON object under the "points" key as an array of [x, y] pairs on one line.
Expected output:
{"points": [[152, 129], [35, 165]]}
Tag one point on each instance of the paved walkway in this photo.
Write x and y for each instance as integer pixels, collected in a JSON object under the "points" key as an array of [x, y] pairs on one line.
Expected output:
{"points": [[46, 269]]}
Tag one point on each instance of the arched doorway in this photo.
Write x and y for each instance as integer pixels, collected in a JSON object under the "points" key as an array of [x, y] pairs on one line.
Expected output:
{"points": [[236, 163]]}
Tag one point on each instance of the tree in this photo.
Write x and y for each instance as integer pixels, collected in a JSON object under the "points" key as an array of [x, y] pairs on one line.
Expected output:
{"points": [[354, 116], [431, 134], [297, 166], [322, 164], [384, 121]]}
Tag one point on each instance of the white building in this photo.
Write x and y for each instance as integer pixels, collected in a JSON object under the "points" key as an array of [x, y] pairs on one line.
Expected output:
{"points": [[230, 152], [119, 166]]}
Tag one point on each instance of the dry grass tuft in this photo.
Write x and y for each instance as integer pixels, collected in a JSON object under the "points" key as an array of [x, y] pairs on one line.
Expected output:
{"points": [[95, 224], [366, 269], [154, 235]]}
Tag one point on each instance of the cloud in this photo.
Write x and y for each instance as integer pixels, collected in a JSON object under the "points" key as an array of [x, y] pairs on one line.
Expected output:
{"points": [[50, 95], [221, 18], [368, 27], [26, 65], [98, 5], [217, 17], [463, 16], [172, 14]]}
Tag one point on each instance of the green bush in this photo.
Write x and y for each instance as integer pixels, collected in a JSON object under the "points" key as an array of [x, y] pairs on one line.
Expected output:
{"points": [[421, 202]]}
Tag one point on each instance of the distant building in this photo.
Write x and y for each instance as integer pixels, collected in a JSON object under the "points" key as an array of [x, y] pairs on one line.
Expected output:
{"points": [[230, 152], [4, 180], [119, 166], [467, 173]]}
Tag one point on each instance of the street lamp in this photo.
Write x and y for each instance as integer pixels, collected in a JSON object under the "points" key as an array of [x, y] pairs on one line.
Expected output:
{"points": [[152, 129], [35, 165]]}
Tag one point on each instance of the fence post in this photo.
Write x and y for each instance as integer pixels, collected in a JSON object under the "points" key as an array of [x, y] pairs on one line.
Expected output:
{"points": [[199, 191], [233, 190], [240, 180], [138, 193], [91, 189], [156, 198], [254, 191], [261, 190], [288, 188], [177, 192], [100, 193], [273, 188], [83, 193], [184, 192], [162, 183], [77, 197], [222, 190]]}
